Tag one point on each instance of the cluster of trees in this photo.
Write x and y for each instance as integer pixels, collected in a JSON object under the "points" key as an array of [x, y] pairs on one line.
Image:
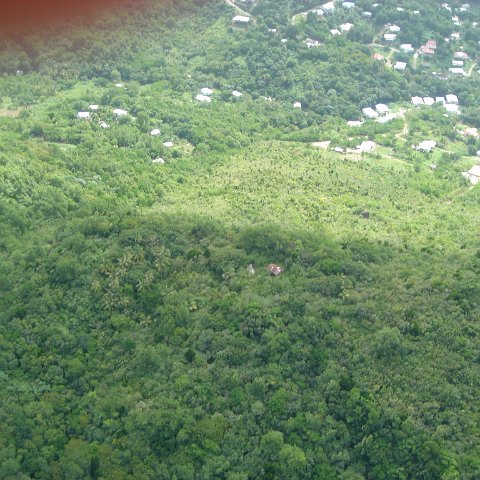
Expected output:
{"points": [[136, 342]]}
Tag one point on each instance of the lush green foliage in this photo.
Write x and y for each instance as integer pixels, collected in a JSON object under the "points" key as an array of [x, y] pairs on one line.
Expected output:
{"points": [[136, 343]]}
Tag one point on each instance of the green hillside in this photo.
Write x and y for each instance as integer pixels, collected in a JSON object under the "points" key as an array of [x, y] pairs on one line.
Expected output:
{"points": [[141, 333]]}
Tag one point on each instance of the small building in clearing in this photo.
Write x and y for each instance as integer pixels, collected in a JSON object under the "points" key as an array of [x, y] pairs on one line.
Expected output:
{"points": [[203, 98], [390, 37], [382, 109], [473, 174], [83, 115], [369, 112], [155, 132], [429, 101], [417, 101], [451, 98], [297, 105], [400, 66], [426, 146], [274, 269], [241, 19], [119, 112]]}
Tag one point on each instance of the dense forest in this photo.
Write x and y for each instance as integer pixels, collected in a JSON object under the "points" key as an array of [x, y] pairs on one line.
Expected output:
{"points": [[142, 333]]}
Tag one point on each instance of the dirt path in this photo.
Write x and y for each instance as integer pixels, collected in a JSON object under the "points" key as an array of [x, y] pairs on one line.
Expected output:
{"points": [[470, 70], [236, 7]]}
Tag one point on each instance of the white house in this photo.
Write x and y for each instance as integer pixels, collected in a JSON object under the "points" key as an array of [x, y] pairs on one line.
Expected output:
{"points": [[335, 31], [354, 123], [440, 100], [450, 98], [346, 27], [473, 174], [242, 19], [328, 7], [93, 107], [367, 14], [369, 112], [457, 63], [451, 108], [390, 37], [203, 98], [458, 71], [426, 145], [237, 94], [417, 101], [297, 105], [387, 118], [119, 85], [83, 115], [206, 91], [158, 160], [104, 125], [366, 146], [348, 5], [429, 101], [119, 112], [400, 66], [155, 132], [394, 28], [407, 48], [382, 109], [168, 144]]}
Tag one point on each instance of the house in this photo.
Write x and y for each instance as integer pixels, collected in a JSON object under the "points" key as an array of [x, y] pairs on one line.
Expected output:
{"points": [[400, 66], [338, 150], [297, 105], [366, 146], [452, 99], [424, 50], [426, 146], [93, 107], [203, 98], [460, 55], [390, 37], [348, 5], [168, 144], [119, 85], [473, 174], [119, 112], [354, 123], [470, 131], [457, 63], [346, 27], [455, 36], [335, 32], [378, 56], [237, 94], [367, 14], [155, 132], [416, 12], [241, 19], [310, 43], [440, 100], [417, 101], [382, 109], [385, 119], [158, 160], [104, 125], [429, 101], [206, 91], [328, 7], [369, 112], [83, 115], [451, 108], [407, 48], [394, 28], [458, 71], [274, 269], [431, 44]]}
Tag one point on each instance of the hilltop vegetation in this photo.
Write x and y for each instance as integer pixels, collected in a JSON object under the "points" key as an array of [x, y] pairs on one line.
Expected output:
{"points": [[141, 334]]}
